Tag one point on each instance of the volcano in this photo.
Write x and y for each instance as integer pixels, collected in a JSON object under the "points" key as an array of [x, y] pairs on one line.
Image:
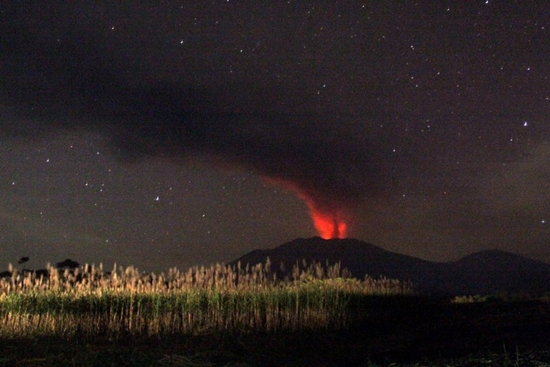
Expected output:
{"points": [[484, 273]]}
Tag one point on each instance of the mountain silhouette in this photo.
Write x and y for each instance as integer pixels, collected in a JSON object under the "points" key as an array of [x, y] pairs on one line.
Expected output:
{"points": [[484, 273]]}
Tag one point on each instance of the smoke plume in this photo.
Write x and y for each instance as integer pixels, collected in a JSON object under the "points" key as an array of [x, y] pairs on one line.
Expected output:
{"points": [[61, 80]]}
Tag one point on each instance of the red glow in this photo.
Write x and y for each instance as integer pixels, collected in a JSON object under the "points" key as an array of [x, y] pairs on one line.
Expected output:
{"points": [[329, 226], [329, 215]]}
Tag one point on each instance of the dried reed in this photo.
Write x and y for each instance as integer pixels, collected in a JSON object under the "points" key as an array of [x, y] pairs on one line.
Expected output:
{"points": [[90, 301]]}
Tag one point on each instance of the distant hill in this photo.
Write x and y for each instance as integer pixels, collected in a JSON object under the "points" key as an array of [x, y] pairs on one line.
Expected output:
{"points": [[500, 271], [486, 272]]}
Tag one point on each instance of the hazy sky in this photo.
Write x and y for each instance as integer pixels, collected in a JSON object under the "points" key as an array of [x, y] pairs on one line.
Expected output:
{"points": [[175, 133]]}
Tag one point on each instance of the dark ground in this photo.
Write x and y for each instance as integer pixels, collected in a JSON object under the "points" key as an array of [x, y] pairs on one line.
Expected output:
{"points": [[418, 333]]}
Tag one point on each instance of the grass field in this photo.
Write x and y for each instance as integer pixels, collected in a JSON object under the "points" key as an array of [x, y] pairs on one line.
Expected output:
{"points": [[219, 299], [228, 316]]}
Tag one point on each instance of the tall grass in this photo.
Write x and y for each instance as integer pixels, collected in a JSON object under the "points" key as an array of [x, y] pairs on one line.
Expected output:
{"points": [[219, 298]]}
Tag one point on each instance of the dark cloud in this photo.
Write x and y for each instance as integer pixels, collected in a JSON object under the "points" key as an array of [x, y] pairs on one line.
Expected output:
{"points": [[59, 78], [430, 118]]}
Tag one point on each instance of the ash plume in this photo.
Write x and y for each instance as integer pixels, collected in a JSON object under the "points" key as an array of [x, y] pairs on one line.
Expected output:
{"points": [[65, 80]]}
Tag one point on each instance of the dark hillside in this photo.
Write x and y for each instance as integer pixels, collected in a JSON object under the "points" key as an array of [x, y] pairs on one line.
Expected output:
{"points": [[486, 272]]}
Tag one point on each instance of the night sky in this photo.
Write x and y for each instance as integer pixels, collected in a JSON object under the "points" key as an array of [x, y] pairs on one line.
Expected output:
{"points": [[175, 133]]}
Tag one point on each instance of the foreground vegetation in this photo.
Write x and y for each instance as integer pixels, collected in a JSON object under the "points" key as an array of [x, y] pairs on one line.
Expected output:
{"points": [[220, 299], [415, 331], [229, 316]]}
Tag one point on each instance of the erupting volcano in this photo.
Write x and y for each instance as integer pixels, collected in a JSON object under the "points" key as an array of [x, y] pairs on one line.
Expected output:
{"points": [[329, 225], [329, 215]]}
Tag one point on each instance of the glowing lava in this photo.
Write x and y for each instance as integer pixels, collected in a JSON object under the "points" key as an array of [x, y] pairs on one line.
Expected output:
{"points": [[328, 225], [329, 215]]}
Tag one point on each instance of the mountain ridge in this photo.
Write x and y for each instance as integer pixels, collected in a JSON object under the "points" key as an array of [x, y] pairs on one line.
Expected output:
{"points": [[483, 272]]}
